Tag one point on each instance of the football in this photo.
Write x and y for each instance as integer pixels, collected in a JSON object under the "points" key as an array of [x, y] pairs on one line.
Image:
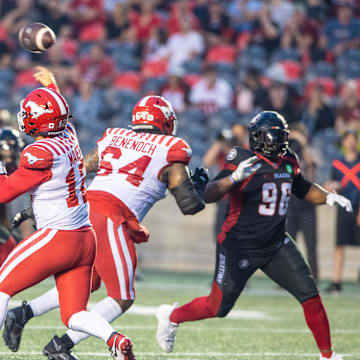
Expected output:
{"points": [[36, 37]]}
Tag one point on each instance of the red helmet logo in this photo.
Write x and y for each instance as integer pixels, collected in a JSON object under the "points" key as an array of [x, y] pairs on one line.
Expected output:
{"points": [[154, 113], [43, 112]]}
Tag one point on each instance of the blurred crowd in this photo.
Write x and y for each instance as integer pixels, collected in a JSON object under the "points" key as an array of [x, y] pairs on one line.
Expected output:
{"points": [[217, 61]]}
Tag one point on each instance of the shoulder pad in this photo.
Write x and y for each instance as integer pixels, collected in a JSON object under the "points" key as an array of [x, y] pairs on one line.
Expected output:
{"points": [[235, 156], [292, 157], [34, 157], [179, 152]]}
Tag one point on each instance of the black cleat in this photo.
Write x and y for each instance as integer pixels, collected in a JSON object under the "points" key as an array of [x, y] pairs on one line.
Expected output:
{"points": [[14, 325], [334, 289], [57, 349]]}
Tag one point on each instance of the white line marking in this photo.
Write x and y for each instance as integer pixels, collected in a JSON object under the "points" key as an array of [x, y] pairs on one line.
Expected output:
{"points": [[177, 355]]}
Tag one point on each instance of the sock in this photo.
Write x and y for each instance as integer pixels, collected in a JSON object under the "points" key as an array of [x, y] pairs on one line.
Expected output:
{"points": [[197, 309], [29, 314], [4, 300], [108, 308], [45, 302], [317, 321], [91, 324]]}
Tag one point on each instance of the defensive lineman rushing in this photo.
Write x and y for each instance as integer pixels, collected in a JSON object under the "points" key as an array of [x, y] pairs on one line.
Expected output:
{"points": [[51, 169], [259, 183], [134, 170]]}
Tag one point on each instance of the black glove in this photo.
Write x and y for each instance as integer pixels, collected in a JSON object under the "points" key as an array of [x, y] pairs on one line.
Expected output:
{"points": [[4, 234], [200, 177], [22, 216]]}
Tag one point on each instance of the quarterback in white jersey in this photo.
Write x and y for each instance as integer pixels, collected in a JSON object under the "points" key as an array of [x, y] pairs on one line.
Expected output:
{"points": [[134, 168], [64, 245]]}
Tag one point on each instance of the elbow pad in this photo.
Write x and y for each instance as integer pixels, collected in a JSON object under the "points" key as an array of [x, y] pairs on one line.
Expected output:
{"points": [[187, 199]]}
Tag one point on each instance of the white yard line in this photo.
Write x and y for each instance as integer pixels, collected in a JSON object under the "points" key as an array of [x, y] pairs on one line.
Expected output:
{"points": [[204, 328], [181, 355]]}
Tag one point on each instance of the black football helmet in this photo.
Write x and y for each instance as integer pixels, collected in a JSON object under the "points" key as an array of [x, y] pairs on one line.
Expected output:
{"points": [[11, 145], [268, 134]]}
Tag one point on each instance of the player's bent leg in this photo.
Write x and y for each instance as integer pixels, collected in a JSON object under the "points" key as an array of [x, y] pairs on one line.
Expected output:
{"points": [[289, 270], [227, 286]]}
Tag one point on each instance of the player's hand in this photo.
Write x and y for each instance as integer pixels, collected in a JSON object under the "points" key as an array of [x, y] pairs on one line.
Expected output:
{"points": [[21, 216], [245, 169], [2, 168], [44, 76], [200, 177], [333, 198]]}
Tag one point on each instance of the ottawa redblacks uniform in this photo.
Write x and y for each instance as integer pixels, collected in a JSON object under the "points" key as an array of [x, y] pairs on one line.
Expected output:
{"points": [[124, 189], [259, 182], [265, 193]]}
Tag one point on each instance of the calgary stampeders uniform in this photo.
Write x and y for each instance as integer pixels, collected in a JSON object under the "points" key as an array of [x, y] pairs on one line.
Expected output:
{"points": [[124, 189], [51, 170]]}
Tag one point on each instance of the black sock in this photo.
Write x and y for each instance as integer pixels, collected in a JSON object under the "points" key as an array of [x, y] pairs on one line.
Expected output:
{"points": [[67, 341], [28, 313]]}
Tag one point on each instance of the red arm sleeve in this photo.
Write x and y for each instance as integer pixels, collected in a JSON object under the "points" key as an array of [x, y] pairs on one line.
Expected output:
{"points": [[179, 152], [34, 169], [53, 86]]}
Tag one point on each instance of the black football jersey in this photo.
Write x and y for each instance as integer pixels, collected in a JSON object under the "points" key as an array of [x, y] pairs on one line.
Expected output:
{"points": [[255, 222]]}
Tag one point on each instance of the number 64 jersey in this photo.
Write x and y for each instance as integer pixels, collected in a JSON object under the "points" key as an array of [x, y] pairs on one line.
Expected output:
{"points": [[255, 223], [130, 164]]}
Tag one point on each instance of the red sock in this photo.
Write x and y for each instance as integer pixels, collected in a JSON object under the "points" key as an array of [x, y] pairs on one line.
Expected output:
{"points": [[195, 310], [317, 321]]}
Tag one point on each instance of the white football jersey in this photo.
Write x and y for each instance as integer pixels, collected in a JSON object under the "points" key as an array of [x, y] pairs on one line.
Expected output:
{"points": [[60, 201], [130, 164]]}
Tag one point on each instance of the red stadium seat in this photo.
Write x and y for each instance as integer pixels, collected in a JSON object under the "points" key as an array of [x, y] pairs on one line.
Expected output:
{"points": [[154, 68], [221, 54], [130, 80], [25, 78], [293, 69], [192, 79], [328, 84]]}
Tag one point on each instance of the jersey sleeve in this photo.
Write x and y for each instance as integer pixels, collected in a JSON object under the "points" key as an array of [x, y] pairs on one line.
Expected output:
{"points": [[234, 157], [36, 158], [179, 152], [300, 185]]}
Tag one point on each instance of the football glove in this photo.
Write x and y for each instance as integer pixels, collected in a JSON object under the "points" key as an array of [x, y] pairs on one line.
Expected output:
{"points": [[200, 177], [23, 215], [333, 198], [2, 169], [245, 169]]}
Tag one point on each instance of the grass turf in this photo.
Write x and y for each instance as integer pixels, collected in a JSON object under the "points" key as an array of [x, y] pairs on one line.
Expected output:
{"points": [[281, 334]]}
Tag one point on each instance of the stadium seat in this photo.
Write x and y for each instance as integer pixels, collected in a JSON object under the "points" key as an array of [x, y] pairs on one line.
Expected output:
{"points": [[285, 54], [328, 84], [154, 68], [221, 54], [192, 79], [25, 78], [126, 62], [193, 66], [293, 69], [130, 80], [320, 69], [153, 85]]}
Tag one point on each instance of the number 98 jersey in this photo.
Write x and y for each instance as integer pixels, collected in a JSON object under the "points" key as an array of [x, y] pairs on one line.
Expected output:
{"points": [[255, 222], [130, 164]]}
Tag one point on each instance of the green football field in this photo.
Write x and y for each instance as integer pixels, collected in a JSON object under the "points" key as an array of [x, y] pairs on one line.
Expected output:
{"points": [[266, 324]]}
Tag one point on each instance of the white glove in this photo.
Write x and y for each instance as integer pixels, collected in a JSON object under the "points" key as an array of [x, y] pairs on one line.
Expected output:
{"points": [[333, 198], [2, 169], [245, 169]]}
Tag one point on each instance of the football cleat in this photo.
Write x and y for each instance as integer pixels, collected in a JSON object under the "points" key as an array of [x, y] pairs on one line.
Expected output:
{"points": [[166, 330], [333, 357], [334, 289], [14, 325], [122, 348], [56, 349]]}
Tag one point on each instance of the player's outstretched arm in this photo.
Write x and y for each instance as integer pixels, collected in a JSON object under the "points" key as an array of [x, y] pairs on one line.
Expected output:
{"points": [[179, 182], [215, 190], [318, 195], [91, 161], [46, 78]]}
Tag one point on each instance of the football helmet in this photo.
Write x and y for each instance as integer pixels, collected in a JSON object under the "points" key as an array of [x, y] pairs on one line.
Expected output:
{"points": [[11, 145], [43, 112], [154, 113], [268, 134]]}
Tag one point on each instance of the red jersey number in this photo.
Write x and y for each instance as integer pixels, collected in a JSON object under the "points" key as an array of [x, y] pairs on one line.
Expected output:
{"points": [[72, 199], [135, 178]]}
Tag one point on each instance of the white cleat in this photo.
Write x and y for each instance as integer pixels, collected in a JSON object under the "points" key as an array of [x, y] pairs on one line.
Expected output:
{"points": [[333, 357], [166, 330]]}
